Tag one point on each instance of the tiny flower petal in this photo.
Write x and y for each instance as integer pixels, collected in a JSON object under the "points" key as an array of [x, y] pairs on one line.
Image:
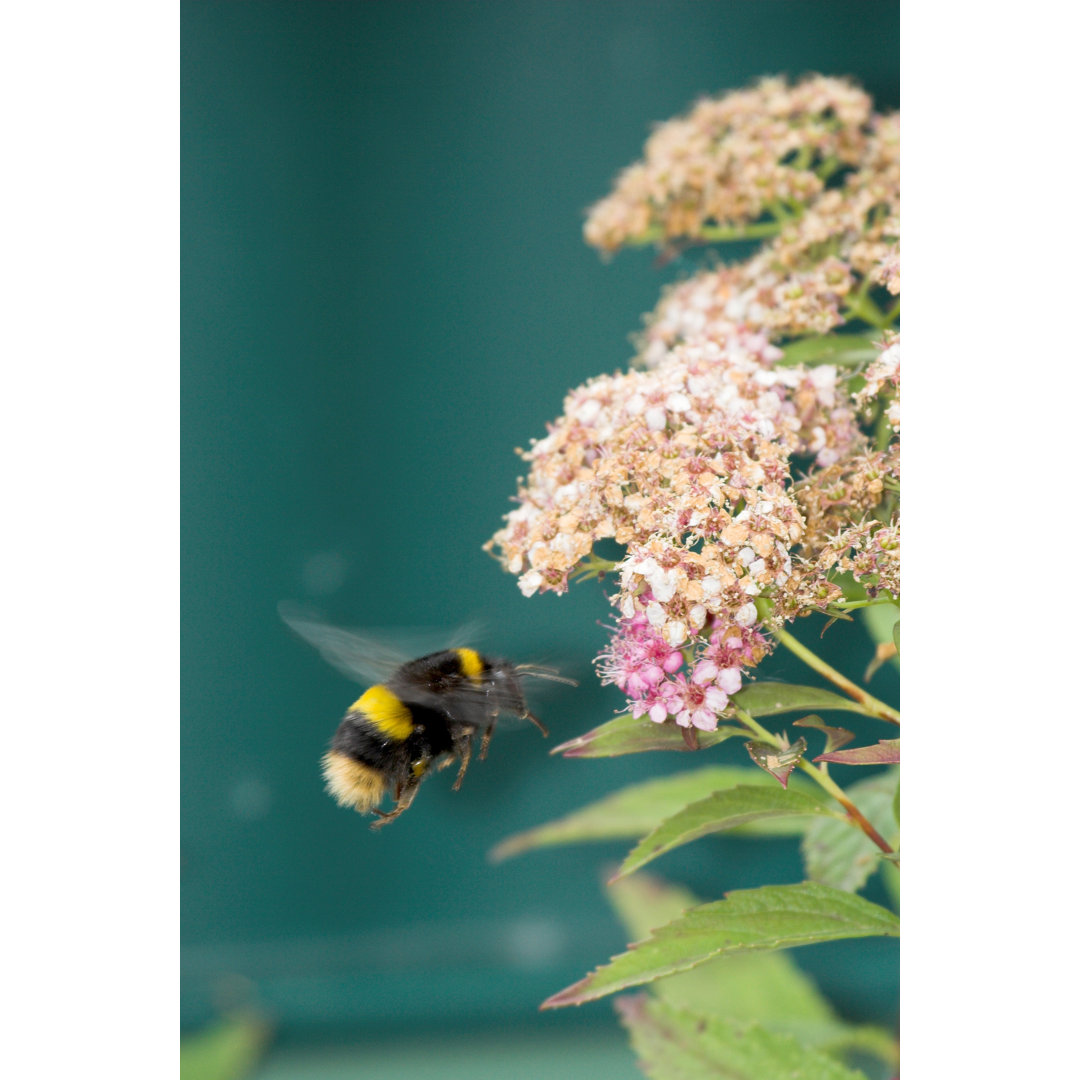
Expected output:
{"points": [[729, 680], [529, 582], [673, 662], [746, 615], [705, 672]]}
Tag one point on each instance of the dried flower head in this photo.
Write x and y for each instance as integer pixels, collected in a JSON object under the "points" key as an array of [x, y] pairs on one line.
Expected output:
{"points": [[732, 159]]}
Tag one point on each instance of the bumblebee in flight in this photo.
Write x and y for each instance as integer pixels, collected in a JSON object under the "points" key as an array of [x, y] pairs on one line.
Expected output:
{"points": [[423, 716]]}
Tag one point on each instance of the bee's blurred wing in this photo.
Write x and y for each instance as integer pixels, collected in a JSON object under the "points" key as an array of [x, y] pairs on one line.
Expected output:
{"points": [[372, 655], [357, 656]]}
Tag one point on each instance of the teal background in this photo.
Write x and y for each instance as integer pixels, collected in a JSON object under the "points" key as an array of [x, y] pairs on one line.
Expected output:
{"points": [[384, 291]]}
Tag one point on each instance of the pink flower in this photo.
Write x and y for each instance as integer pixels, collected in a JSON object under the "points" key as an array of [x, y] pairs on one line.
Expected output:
{"points": [[736, 647], [637, 661], [698, 702]]}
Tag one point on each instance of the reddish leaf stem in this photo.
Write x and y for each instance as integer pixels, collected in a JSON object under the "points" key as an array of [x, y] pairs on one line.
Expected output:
{"points": [[820, 776]]}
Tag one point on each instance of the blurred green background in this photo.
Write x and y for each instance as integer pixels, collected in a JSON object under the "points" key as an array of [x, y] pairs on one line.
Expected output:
{"points": [[384, 291]]}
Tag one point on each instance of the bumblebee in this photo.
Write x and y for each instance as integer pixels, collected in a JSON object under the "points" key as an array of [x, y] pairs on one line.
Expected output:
{"points": [[421, 718]]}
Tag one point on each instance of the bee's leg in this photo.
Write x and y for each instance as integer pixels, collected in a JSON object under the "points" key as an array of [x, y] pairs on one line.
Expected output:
{"points": [[407, 793], [485, 740], [529, 716], [463, 746]]}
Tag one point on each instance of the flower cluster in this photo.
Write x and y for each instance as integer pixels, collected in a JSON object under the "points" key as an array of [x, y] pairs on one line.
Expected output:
{"points": [[812, 277], [647, 669], [732, 470], [732, 159]]}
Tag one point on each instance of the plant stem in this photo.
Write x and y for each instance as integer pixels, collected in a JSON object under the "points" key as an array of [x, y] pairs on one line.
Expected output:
{"points": [[821, 777], [592, 567], [871, 705], [713, 234], [756, 728], [883, 431], [862, 307], [852, 605]]}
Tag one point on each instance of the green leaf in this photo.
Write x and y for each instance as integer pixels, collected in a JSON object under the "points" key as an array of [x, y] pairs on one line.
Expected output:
{"points": [[767, 987], [838, 855], [772, 698], [890, 876], [772, 917], [887, 752], [674, 1044], [625, 735], [631, 812], [844, 350], [763, 986], [880, 621], [227, 1050], [645, 902], [718, 812]]}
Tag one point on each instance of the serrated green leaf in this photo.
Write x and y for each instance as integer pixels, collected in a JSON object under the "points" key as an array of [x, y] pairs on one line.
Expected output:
{"points": [[626, 735], [838, 855], [720, 811], [673, 1044], [773, 698], [887, 752], [763, 986], [767, 987], [631, 812], [772, 917]]}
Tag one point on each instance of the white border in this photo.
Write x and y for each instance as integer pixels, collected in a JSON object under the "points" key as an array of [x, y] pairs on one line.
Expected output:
{"points": [[90, 446], [990, 392]]}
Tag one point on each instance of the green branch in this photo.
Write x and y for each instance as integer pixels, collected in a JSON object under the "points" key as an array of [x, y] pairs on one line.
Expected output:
{"points": [[871, 705], [820, 776], [711, 234]]}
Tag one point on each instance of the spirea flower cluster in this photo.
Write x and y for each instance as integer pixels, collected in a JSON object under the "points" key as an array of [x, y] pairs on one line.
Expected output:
{"points": [[748, 462]]}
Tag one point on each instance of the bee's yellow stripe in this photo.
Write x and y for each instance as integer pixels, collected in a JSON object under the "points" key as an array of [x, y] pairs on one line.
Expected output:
{"points": [[472, 666], [383, 709]]}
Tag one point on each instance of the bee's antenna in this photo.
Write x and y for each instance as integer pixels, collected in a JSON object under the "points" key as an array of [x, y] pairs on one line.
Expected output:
{"points": [[538, 671]]}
